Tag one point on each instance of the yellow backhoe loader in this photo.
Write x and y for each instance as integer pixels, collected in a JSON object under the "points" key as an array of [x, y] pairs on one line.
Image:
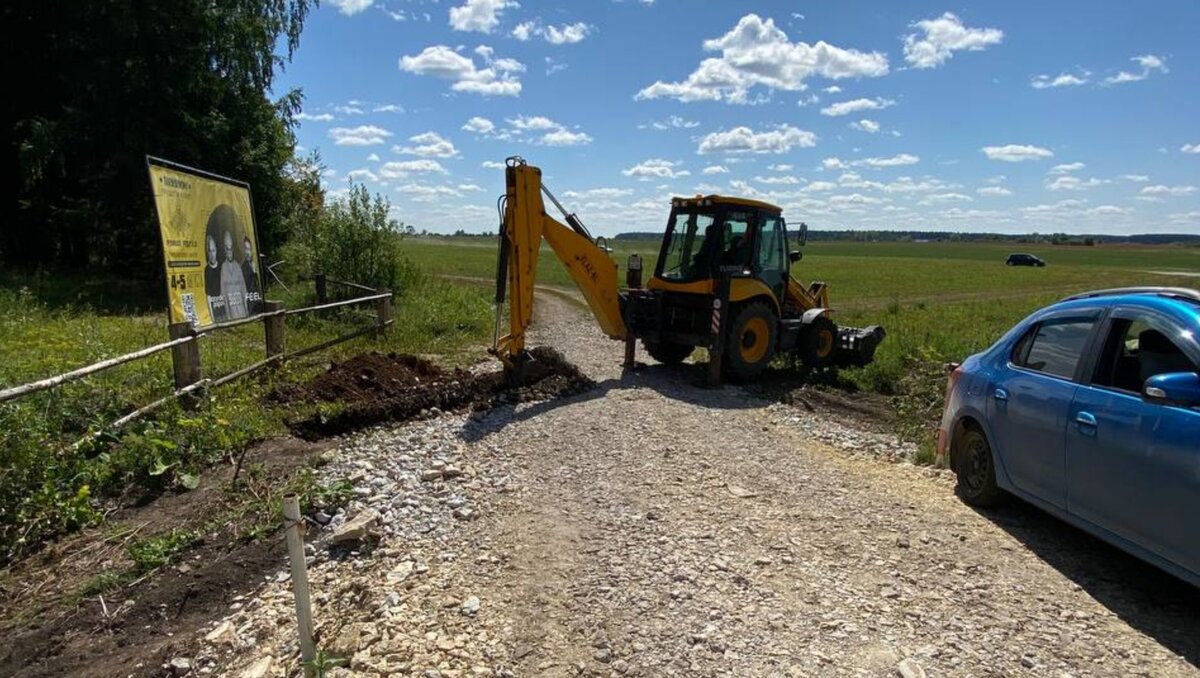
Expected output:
{"points": [[721, 281]]}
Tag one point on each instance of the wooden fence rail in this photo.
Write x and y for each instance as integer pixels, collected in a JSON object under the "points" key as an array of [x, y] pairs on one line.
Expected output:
{"points": [[185, 352], [50, 382]]}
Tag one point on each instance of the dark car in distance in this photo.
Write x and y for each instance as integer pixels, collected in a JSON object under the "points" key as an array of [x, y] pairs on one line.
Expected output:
{"points": [[1024, 259]]}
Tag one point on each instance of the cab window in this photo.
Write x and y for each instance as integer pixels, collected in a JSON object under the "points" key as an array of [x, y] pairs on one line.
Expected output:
{"points": [[1054, 346], [771, 245], [690, 242], [735, 250]]}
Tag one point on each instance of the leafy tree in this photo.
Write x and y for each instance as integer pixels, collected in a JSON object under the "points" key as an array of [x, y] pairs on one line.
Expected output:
{"points": [[96, 86]]}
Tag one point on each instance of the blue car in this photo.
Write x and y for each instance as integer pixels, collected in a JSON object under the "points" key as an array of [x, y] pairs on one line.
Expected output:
{"points": [[1090, 410]]}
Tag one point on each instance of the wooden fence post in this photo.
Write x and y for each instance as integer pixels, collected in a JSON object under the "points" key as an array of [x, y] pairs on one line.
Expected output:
{"points": [[322, 290], [185, 358], [275, 329], [383, 312]]}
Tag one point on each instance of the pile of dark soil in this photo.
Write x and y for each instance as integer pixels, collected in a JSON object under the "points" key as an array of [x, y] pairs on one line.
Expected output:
{"points": [[375, 388]]}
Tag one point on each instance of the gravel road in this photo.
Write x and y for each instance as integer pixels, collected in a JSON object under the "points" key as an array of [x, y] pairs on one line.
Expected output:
{"points": [[649, 527]]}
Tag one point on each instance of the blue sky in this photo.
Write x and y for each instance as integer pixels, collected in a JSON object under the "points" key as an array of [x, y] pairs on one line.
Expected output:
{"points": [[987, 116]]}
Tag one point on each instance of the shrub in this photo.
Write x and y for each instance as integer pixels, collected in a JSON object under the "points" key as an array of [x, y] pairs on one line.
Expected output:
{"points": [[353, 239]]}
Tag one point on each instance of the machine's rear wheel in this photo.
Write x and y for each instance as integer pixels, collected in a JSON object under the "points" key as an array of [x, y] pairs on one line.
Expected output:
{"points": [[751, 344], [668, 352], [818, 343]]}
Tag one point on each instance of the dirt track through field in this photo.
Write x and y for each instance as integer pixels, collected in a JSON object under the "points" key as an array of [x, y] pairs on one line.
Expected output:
{"points": [[651, 527]]}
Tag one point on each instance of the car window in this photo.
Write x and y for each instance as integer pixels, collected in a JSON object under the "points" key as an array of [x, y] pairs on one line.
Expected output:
{"points": [[1054, 346], [1136, 349]]}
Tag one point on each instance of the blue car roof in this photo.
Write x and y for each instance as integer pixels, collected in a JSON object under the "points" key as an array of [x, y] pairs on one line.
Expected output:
{"points": [[1179, 302]]}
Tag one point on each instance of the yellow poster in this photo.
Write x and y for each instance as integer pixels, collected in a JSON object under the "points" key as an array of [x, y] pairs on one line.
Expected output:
{"points": [[210, 246]]}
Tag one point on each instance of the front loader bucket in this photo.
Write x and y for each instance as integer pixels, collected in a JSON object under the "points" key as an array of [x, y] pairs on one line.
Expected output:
{"points": [[856, 345]]}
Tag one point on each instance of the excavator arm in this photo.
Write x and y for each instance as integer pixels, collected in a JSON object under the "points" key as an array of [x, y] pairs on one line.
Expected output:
{"points": [[524, 225]]}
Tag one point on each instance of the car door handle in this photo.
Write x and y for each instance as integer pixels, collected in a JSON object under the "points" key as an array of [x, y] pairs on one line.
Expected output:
{"points": [[1085, 419], [1001, 395]]}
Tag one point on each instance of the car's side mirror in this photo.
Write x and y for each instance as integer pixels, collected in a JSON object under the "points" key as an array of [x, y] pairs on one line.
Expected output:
{"points": [[795, 255], [1174, 388], [802, 234]]}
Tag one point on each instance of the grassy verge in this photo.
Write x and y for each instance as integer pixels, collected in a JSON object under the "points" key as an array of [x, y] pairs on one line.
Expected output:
{"points": [[49, 484]]}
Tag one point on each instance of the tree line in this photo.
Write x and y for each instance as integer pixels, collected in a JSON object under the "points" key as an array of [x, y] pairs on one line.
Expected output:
{"points": [[95, 86]]}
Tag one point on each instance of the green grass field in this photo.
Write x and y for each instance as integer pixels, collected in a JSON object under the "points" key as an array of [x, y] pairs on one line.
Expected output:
{"points": [[938, 301]]}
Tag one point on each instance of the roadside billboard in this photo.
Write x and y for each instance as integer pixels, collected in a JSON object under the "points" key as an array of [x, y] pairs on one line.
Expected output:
{"points": [[210, 246]]}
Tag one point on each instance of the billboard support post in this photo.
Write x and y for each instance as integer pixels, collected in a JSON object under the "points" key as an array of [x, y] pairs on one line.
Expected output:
{"points": [[185, 358], [275, 328]]}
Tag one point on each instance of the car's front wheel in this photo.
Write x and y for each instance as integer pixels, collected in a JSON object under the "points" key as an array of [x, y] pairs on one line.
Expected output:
{"points": [[975, 469]]}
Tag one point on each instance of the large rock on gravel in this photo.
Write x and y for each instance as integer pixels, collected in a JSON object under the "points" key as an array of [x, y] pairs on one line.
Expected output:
{"points": [[361, 527]]}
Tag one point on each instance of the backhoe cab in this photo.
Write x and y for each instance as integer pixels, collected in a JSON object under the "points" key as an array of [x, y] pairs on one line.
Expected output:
{"points": [[722, 281]]}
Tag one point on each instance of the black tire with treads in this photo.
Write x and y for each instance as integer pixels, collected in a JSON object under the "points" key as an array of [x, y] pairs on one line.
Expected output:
{"points": [[975, 469], [750, 346], [818, 343]]}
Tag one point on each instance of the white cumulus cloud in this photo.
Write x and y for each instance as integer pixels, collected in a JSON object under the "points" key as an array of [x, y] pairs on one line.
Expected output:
{"points": [[479, 125], [1016, 153], [655, 168], [538, 129], [1168, 190], [1067, 168], [993, 190], [352, 7], [943, 37], [755, 53], [864, 125], [1149, 64], [1190, 148], [363, 135], [1068, 183], [402, 168], [566, 34], [893, 161], [1061, 80], [565, 137], [479, 15], [496, 78], [744, 140], [429, 145], [673, 121], [715, 169], [855, 106], [318, 117]]}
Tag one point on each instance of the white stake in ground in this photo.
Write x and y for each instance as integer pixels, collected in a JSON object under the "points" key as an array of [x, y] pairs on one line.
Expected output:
{"points": [[294, 527]]}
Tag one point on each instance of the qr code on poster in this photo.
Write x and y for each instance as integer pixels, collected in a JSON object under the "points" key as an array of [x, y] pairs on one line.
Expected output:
{"points": [[189, 308]]}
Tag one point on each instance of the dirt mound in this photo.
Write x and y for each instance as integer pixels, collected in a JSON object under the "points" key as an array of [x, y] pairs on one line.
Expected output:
{"points": [[375, 388], [373, 375], [366, 376]]}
